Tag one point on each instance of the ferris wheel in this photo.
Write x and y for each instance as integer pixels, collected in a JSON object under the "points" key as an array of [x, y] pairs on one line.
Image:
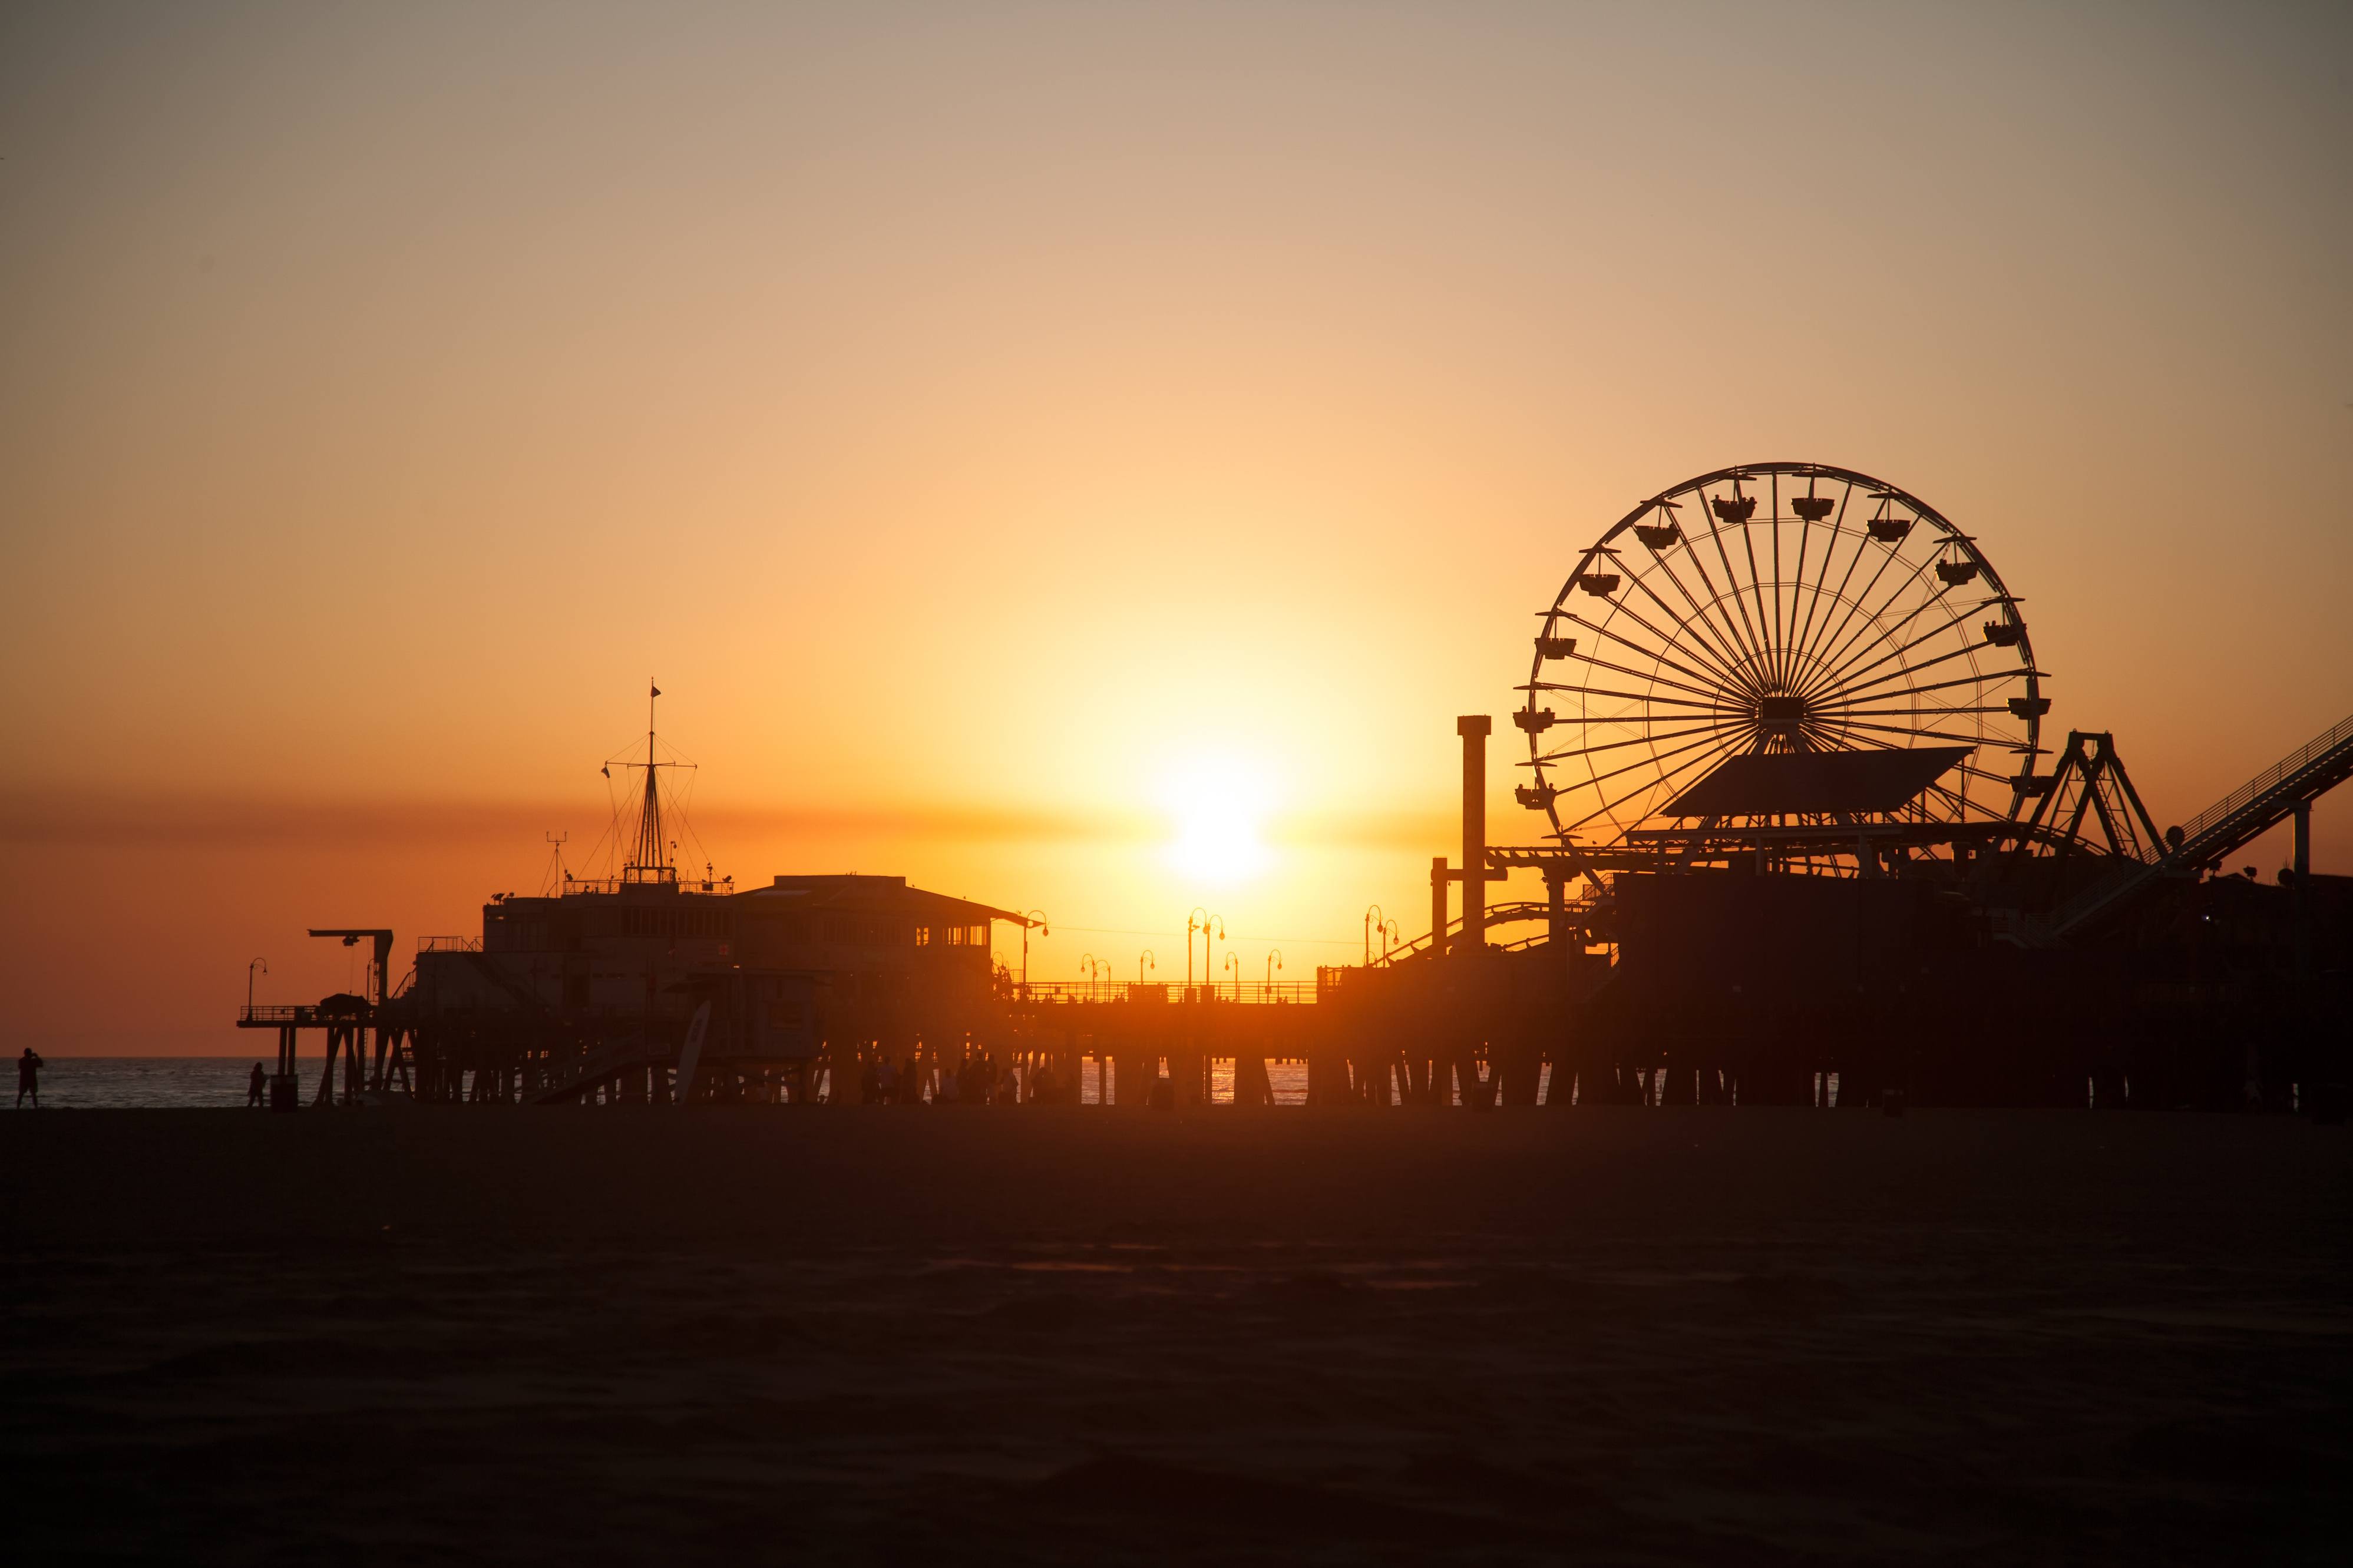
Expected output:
{"points": [[1776, 608]]}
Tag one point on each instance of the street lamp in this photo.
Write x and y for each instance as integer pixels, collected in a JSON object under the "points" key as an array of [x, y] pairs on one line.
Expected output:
{"points": [[1234, 967], [1087, 963], [1273, 965], [1193, 923], [1374, 918], [1043, 928], [1213, 925], [263, 965], [1144, 960], [1389, 934]]}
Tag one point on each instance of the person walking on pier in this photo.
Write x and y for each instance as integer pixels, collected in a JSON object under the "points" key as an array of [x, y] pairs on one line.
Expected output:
{"points": [[28, 1079], [255, 1088]]}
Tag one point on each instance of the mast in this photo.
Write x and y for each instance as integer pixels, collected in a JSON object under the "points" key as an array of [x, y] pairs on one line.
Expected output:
{"points": [[649, 857]]}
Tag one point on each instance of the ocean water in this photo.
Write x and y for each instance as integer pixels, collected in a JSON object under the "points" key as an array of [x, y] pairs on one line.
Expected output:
{"points": [[118, 1083]]}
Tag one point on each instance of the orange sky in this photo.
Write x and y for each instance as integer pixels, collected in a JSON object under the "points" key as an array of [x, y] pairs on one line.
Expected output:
{"points": [[979, 419]]}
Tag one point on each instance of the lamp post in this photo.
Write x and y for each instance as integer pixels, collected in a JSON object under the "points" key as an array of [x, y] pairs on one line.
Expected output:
{"points": [[1389, 934], [1043, 927], [1144, 960], [1375, 916], [1193, 923], [1273, 966], [1234, 967], [1214, 926], [263, 965], [1087, 963]]}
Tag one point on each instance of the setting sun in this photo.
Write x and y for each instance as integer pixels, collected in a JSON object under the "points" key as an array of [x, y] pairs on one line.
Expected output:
{"points": [[1218, 805]]}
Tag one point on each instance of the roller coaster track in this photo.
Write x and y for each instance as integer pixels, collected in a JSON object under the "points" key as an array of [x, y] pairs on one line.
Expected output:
{"points": [[1577, 910], [2245, 814]]}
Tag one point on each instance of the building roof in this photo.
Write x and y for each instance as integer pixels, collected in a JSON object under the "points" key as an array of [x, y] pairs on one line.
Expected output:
{"points": [[885, 894], [1790, 783]]}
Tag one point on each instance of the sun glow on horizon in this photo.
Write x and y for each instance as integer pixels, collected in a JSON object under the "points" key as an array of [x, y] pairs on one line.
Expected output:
{"points": [[1220, 806]]}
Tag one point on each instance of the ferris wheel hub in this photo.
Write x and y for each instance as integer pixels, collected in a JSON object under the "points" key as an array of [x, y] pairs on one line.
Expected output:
{"points": [[1781, 718]]}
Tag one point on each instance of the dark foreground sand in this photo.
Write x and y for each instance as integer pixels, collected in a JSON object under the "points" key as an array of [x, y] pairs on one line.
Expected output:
{"points": [[902, 1335]]}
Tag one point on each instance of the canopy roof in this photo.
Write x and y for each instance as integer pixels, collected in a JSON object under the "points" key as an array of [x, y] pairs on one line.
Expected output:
{"points": [[1791, 784]]}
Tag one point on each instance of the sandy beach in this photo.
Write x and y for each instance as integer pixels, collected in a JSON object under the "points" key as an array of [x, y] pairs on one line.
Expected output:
{"points": [[889, 1334]]}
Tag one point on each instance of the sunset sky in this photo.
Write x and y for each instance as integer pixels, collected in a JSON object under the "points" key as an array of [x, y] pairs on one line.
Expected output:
{"points": [[1003, 429]]}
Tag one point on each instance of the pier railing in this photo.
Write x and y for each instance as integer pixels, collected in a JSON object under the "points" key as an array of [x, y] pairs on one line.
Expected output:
{"points": [[303, 1014], [2210, 831], [1168, 994]]}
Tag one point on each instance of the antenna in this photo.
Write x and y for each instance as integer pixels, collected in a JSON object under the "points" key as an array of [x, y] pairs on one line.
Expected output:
{"points": [[556, 874]]}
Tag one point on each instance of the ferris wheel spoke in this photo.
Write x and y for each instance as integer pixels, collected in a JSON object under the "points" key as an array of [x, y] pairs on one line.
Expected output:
{"points": [[1569, 752], [1796, 587], [1741, 651], [1780, 643], [1954, 613], [1600, 779], [1706, 677], [1609, 808], [1766, 654], [1844, 678], [1755, 590], [1869, 691], [1848, 651], [1731, 584], [1700, 623], [1858, 693], [1804, 631], [1632, 696], [1928, 734], [1767, 632], [1835, 632], [1641, 675], [1929, 712], [1821, 630], [1720, 677]]}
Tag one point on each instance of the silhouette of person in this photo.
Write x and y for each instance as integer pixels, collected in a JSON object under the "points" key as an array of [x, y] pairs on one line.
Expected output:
{"points": [[255, 1087], [28, 1079]]}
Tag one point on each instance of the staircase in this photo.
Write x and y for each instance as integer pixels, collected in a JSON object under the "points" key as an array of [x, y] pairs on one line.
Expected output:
{"points": [[2244, 815]]}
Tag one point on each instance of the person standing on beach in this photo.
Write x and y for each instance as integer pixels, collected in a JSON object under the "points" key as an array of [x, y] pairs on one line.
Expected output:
{"points": [[28, 1079], [255, 1085]]}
